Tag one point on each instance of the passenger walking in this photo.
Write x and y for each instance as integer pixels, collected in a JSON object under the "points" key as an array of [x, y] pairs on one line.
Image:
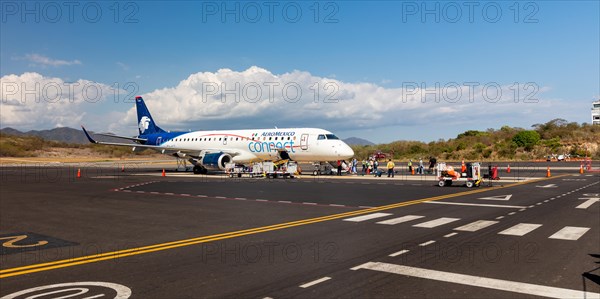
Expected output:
{"points": [[390, 168], [339, 167], [364, 166], [354, 162], [432, 162], [421, 168]]}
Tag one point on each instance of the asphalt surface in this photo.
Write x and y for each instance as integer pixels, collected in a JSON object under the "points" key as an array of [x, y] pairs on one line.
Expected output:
{"points": [[135, 232]]}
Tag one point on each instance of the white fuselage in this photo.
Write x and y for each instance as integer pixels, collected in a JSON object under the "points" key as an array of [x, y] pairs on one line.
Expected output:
{"points": [[301, 144]]}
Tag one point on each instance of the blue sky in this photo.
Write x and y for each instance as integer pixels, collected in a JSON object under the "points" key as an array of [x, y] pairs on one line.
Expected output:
{"points": [[158, 44]]}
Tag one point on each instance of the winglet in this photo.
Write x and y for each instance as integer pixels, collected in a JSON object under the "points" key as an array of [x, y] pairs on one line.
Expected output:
{"points": [[88, 135]]}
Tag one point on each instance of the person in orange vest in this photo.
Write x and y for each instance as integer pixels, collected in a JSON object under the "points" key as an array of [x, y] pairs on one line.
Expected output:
{"points": [[463, 167]]}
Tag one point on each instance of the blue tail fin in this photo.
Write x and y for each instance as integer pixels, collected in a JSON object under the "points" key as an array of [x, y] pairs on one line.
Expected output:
{"points": [[146, 124]]}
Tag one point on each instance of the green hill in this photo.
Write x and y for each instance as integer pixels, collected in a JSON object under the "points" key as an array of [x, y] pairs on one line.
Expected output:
{"points": [[507, 143]]}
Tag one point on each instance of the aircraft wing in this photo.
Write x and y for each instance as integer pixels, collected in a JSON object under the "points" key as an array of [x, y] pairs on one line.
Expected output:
{"points": [[121, 137], [162, 149]]}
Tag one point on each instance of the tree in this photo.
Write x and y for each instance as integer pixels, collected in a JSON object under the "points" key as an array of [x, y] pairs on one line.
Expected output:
{"points": [[527, 139]]}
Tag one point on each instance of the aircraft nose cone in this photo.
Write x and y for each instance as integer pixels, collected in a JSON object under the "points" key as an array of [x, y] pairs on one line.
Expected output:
{"points": [[346, 152]]}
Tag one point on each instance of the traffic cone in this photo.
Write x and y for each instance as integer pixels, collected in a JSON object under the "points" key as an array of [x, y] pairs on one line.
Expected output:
{"points": [[508, 169], [548, 172], [163, 172], [581, 169], [123, 168], [412, 172], [78, 173]]}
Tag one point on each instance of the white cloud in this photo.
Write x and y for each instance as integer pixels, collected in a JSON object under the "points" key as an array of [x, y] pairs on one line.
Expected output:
{"points": [[227, 99], [123, 66], [33, 101], [41, 60]]}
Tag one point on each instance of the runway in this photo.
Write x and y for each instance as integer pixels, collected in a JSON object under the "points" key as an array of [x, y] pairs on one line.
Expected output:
{"points": [[140, 235]]}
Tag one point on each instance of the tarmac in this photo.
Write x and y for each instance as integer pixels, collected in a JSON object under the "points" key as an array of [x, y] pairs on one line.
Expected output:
{"points": [[136, 234]]}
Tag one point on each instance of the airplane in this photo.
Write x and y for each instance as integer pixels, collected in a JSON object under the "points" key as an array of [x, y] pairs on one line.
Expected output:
{"points": [[213, 150]]}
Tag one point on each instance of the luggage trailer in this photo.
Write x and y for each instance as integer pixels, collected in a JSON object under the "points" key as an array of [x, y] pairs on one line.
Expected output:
{"points": [[447, 175]]}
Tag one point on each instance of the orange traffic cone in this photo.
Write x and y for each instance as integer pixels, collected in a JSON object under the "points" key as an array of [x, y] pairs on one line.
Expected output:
{"points": [[581, 169], [508, 169], [78, 173], [163, 172], [548, 172], [412, 172]]}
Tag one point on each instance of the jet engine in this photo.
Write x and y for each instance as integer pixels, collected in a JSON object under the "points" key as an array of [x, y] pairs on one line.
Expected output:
{"points": [[215, 161]]}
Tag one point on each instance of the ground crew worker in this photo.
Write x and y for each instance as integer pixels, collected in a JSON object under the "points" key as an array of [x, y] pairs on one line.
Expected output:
{"points": [[390, 168], [410, 166]]}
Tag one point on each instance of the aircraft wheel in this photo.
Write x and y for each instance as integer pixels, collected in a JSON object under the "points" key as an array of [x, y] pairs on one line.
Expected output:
{"points": [[197, 170]]}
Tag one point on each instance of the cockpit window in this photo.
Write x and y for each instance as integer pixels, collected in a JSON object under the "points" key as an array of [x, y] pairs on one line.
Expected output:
{"points": [[321, 137], [331, 136]]}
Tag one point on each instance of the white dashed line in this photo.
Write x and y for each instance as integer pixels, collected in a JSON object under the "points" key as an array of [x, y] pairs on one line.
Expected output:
{"points": [[314, 282], [427, 243], [450, 235], [399, 253]]}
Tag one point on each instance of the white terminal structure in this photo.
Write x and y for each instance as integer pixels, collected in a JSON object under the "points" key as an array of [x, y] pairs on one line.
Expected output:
{"points": [[596, 113]]}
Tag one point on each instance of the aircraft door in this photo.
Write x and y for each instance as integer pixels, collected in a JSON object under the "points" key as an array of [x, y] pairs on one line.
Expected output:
{"points": [[158, 140], [304, 142], [225, 141]]}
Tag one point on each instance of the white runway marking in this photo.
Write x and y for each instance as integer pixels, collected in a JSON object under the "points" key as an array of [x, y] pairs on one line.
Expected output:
{"points": [[497, 197], [400, 219], [426, 243], [588, 203], [436, 222], [477, 281], [450, 235], [475, 226], [399, 253], [474, 204], [314, 282], [570, 233], [499, 217], [520, 229], [367, 217], [548, 186]]}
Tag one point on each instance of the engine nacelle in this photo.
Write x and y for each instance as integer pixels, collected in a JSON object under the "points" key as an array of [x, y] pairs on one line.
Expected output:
{"points": [[215, 161]]}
